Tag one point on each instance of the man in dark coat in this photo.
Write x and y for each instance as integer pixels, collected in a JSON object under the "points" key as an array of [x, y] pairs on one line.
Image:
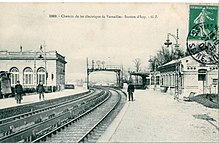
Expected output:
{"points": [[130, 91], [19, 92], [40, 90]]}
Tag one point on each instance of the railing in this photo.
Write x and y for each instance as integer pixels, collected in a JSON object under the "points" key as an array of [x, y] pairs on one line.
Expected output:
{"points": [[28, 53], [107, 67]]}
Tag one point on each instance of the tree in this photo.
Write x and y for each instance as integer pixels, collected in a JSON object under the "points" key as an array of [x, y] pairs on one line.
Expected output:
{"points": [[153, 63], [164, 56], [137, 63]]}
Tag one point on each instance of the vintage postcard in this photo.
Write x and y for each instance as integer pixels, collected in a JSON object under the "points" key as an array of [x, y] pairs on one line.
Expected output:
{"points": [[145, 72]]}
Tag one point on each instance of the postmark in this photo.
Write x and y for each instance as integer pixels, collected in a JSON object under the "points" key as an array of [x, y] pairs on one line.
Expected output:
{"points": [[203, 47], [202, 40]]}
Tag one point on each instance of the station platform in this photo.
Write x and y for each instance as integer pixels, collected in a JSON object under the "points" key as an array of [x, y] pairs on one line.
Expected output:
{"points": [[157, 117], [27, 99]]}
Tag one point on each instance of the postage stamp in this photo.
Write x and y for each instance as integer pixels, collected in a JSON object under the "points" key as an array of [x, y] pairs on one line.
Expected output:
{"points": [[203, 50], [202, 40]]}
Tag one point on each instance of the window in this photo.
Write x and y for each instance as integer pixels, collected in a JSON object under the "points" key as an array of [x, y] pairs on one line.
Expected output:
{"points": [[41, 75], [171, 80], [214, 81], [157, 80], [202, 74], [14, 75], [152, 80], [201, 77], [28, 76], [162, 80]]}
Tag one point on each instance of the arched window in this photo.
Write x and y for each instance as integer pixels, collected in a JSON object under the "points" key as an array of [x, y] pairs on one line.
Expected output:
{"points": [[41, 75], [152, 80], [157, 80], [162, 77], [28, 76], [14, 75]]}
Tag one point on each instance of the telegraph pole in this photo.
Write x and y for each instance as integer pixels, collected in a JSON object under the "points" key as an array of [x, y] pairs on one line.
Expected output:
{"points": [[177, 70], [87, 76], [34, 66], [46, 74]]}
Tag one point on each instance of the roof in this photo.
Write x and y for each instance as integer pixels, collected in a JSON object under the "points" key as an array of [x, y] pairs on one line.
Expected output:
{"points": [[171, 66], [32, 55]]}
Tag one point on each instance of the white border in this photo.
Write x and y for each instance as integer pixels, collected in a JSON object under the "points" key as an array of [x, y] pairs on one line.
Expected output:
{"points": [[151, 1]]}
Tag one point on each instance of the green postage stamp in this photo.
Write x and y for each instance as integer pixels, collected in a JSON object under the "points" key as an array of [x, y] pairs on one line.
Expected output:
{"points": [[202, 39]]}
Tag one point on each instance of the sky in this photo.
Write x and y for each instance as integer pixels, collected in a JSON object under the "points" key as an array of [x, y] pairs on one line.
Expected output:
{"points": [[117, 41]]}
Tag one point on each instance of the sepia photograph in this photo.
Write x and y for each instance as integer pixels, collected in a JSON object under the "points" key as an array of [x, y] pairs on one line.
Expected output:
{"points": [[109, 72]]}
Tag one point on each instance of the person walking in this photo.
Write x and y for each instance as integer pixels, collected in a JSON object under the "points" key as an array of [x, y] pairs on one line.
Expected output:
{"points": [[19, 92], [40, 90], [130, 91]]}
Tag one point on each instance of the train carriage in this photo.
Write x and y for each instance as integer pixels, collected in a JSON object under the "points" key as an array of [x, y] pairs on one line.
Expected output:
{"points": [[5, 84]]}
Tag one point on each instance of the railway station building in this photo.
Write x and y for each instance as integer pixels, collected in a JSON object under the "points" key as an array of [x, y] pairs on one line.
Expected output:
{"points": [[189, 75], [30, 67]]}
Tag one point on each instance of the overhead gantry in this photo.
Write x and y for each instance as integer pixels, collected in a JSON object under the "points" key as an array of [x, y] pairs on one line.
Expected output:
{"points": [[101, 67]]}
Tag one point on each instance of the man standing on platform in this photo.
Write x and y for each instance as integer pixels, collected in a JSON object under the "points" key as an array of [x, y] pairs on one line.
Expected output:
{"points": [[19, 92], [40, 90], [130, 90]]}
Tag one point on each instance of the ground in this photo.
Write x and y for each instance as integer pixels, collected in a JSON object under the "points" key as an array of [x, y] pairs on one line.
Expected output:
{"points": [[157, 117]]}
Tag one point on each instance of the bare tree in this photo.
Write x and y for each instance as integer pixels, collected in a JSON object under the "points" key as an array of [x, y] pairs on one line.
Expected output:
{"points": [[164, 55], [137, 63], [154, 62]]}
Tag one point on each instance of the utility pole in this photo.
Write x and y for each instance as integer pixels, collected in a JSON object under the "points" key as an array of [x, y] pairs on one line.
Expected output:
{"points": [[34, 67], [46, 74], [87, 75], [177, 70]]}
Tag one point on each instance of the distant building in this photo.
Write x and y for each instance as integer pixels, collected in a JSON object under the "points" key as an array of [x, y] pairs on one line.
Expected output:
{"points": [[31, 67], [193, 77]]}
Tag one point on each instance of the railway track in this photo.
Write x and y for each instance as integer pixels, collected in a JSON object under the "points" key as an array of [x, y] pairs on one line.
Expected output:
{"points": [[12, 113], [31, 125], [84, 114], [87, 125]]}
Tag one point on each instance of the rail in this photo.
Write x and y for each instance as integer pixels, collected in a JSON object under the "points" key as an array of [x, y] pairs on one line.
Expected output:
{"points": [[71, 121], [99, 122], [55, 120], [31, 112], [40, 123]]}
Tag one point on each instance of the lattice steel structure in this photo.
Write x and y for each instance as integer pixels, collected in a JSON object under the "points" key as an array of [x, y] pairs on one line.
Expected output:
{"points": [[111, 68]]}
